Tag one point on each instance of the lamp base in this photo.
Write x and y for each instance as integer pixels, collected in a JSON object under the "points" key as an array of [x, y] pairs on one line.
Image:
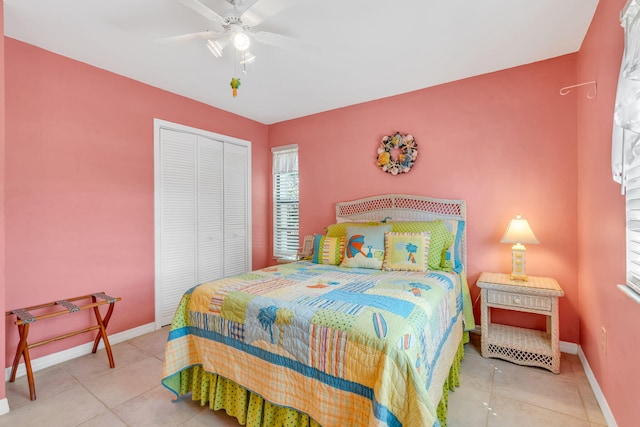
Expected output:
{"points": [[518, 262]]}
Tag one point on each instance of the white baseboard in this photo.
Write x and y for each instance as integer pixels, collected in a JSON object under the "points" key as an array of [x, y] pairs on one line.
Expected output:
{"points": [[568, 347], [4, 406], [597, 391], [72, 353]]}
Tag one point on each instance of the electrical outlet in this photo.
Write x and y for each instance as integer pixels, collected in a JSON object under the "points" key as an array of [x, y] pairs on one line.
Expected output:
{"points": [[604, 340]]}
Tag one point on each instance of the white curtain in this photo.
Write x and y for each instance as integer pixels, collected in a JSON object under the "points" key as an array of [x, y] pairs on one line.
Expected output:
{"points": [[626, 123], [285, 159]]}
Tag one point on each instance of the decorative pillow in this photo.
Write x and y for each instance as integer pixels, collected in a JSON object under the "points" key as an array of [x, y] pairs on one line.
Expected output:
{"points": [[453, 257], [340, 229], [441, 239], [328, 250], [406, 251], [365, 247]]}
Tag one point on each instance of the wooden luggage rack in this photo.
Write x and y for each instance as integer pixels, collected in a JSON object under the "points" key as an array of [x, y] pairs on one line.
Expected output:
{"points": [[24, 318]]}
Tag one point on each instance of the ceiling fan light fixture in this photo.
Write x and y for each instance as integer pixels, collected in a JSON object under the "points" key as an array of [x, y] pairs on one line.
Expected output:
{"points": [[248, 58], [241, 41], [215, 47]]}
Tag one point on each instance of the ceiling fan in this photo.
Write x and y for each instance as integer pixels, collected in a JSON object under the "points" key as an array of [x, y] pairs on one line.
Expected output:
{"points": [[237, 27]]}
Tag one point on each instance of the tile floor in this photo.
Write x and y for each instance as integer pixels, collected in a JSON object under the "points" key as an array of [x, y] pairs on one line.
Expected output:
{"points": [[85, 392], [496, 393]]}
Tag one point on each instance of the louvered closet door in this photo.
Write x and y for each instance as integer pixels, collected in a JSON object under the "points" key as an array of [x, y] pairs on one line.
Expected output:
{"points": [[236, 212], [202, 214], [210, 210], [178, 203]]}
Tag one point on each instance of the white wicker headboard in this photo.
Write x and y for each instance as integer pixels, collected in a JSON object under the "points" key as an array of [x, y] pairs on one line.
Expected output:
{"points": [[404, 207]]}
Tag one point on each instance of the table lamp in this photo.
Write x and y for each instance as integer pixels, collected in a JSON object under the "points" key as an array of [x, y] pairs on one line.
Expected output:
{"points": [[518, 232]]}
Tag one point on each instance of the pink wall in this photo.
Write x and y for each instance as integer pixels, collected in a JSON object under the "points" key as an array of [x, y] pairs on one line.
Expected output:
{"points": [[601, 230], [79, 182], [79, 186], [2, 182], [505, 142]]}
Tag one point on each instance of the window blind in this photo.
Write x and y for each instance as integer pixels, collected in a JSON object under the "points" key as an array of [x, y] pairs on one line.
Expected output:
{"points": [[285, 201], [632, 181]]}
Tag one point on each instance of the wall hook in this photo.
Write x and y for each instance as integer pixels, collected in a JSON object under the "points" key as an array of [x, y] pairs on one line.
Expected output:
{"points": [[590, 95]]}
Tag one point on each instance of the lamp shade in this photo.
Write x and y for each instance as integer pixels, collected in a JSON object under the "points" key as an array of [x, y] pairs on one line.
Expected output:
{"points": [[519, 231]]}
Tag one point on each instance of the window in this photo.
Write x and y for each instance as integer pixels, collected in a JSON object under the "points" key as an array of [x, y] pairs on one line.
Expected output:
{"points": [[285, 201], [625, 154]]}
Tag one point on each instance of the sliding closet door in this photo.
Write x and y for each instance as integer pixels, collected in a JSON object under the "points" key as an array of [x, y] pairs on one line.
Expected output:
{"points": [[236, 212]]}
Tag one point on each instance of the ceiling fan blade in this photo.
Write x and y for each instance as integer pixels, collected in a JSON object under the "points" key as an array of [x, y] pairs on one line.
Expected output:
{"points": [[204, 11], [263, 9], [202, 35], [279, 40]]}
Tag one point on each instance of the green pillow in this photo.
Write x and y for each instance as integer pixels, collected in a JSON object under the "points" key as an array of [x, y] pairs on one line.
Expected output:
{"points": [[328, 250], [340, 229], [441, 240], [406, 251]]}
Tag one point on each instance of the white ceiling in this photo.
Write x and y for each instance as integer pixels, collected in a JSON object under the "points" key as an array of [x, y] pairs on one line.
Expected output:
{"points": [[361, 49]]}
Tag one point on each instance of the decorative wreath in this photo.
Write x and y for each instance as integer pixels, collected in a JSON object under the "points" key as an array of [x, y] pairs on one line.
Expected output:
{"points": [[408, 152]]}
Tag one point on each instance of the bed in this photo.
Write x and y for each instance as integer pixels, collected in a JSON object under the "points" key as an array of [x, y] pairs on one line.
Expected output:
{"points": [[311, 343]]}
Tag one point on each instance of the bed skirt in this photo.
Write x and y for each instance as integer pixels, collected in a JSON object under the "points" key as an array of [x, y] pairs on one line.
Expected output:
{"points": [[253, 411]]}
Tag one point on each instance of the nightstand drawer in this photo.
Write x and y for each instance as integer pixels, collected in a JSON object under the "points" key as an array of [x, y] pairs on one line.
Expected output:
{"points": [[517, 300]]}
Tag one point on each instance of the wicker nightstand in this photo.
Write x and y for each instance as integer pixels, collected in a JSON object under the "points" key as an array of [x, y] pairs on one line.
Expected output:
{"points": [[519, 345]]}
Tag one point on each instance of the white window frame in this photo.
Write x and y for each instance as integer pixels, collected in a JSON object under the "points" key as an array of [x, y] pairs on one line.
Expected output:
{"points": [[285, 228], [625, 153]]}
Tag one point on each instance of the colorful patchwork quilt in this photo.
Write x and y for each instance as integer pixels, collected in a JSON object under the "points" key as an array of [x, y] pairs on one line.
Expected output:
{"points": [[347, 346]]}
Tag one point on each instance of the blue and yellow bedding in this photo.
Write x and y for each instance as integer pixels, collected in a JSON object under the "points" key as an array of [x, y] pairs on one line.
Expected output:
{"points": [[348, 347]]}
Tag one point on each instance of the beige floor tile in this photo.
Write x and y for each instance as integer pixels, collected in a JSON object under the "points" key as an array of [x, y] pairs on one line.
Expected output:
{"points": [[578, 370], [120, 385], [156, 408], [152, 343], [468, 403], [567, 367], [48, 382], [106, 419], [95, 365], [68, 408], [594, 413], [571, 360], [467, 407], [477, 372], [507, 412], [538, 387]]}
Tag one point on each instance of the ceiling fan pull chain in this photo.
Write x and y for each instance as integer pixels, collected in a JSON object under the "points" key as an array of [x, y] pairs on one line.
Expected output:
{"points": [[244, 62]]}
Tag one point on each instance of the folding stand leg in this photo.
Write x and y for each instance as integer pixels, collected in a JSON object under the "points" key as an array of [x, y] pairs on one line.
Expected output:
{"points": [[103, 332], [23, 350]]}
